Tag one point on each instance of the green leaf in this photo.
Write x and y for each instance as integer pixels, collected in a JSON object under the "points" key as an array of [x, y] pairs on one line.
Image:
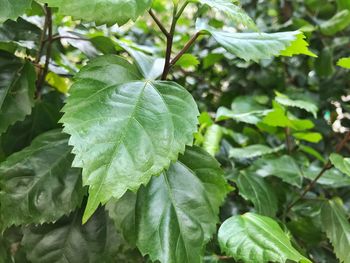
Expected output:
{"points": [[17, 87], [301, 104], [232, 11], [313, 137], [101, 11], [344, 63], [44, 117], [243, 109], [67, 240], [175, 215], [259, 192], [13, 9], [20, 33], [39, 182], [299, 46], [332, 178], [341, 163], [187, 61], [284, 167], [109, 117], [253, 151], [212, 139], [151, 67], [324, 64], [254, 46], [337, 23], [255, 238], [337, 227]]}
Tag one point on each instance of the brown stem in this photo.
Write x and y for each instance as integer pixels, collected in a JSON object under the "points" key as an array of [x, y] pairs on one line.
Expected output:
{"points": [[43, 74], [169, 45], [288, 140], [159, 24], [327, 166], [185, 49], [42, 38]]}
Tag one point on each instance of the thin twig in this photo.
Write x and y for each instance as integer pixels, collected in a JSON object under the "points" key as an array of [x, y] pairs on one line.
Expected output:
{"points": [[327, 166], [185, 48], [54, 38], [159, 24], [288, 140], [44, 72], [42, 38]]}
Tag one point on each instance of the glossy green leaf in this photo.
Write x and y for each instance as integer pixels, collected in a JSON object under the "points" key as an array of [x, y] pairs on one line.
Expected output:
{"points": [[337, 23], [39, 182], [255, 238], [341, 163], [284, 167], [175, 215], [20, 33], [331, 178], [101, 12], [253, 151], [108, 117], [13, 9], [344, 63], [254, 188], [302, 104], [68, 240], [337, 227], [17, 87], [253, 46], [232, 11]]}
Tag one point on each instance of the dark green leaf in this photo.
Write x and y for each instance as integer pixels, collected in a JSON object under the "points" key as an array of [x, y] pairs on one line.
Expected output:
{"points": [[13, 9], [259, 192], [17, 86], [337, 227], [38, 184], [176, 213], [67, 240]]}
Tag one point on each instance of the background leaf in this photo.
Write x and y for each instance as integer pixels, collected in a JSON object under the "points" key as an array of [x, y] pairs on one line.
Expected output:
{"points": [[255, 238], [39, 182]]}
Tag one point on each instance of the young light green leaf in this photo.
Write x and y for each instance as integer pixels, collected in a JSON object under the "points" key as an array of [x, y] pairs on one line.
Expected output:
{"points": [[260, 193], [13, 9], [299, 46], [313, 137], [101, 11], [344, 63], [253, 151], [67, 240], [175, 215], [107, 117], [187, 61], [302, 104], [39, 182], [284, 167], [341, 163], [232, 11], [255, 238], [212, 139], [337, 227], [17, 87]]}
